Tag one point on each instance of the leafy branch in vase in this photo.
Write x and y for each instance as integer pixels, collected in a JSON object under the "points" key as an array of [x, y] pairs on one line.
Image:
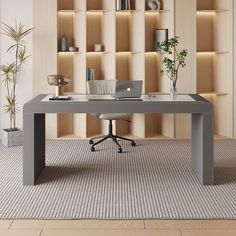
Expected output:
{"points": [[171, 66]]}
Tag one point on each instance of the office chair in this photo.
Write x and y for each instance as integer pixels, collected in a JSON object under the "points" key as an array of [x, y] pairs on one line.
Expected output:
{"points": [[103, 87]]}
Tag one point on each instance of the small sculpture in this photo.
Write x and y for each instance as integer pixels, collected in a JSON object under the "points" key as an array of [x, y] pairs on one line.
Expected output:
{"points": [[59, 81], [154, 4]]}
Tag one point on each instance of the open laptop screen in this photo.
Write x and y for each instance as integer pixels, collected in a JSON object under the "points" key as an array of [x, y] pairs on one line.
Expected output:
{"points": [[128, 89]]}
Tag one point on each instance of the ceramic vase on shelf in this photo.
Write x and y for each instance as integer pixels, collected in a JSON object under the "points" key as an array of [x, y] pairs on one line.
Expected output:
{"points": [[64, 43]]}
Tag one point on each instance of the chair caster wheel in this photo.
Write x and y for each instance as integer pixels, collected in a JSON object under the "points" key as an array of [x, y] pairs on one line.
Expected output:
{"points": [[91, 142], [133, 144], [119, 150], [92, 149]]}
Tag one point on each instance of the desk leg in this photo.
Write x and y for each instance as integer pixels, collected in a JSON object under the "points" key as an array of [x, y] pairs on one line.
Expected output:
{"points": [[34, 147], [203, 148]]}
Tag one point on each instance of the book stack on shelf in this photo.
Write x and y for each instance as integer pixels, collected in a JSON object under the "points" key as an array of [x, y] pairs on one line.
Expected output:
{"points": [[90, 75]]}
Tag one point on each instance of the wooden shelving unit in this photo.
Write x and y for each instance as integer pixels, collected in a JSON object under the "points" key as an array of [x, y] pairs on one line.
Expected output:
{"points": [[214, 60], [128, 39]]}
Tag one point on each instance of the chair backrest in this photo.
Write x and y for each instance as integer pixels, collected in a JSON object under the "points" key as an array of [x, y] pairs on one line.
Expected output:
{"points": [[101, 86]]}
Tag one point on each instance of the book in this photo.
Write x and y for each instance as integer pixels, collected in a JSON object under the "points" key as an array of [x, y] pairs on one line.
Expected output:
{"points": [[60, 98], [90, 74]]}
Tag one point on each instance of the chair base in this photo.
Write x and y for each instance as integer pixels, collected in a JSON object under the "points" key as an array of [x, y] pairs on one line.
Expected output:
{"points": [[112, 137]]}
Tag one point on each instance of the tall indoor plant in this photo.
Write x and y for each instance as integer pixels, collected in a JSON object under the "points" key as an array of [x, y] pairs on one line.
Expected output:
{"points": [[10, 74], [171, 66]]}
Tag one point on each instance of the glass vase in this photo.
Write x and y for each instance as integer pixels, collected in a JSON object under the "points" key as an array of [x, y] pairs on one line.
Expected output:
{"points": [[173, 88]]}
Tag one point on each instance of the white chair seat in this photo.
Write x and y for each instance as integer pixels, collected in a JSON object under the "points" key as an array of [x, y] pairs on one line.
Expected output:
{"points": [[114, 116]]}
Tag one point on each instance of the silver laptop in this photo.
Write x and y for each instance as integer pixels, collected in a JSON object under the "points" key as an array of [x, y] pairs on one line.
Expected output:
{"points": [[128, 89]]}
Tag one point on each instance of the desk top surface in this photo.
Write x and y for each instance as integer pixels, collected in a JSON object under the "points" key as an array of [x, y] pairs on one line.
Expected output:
{"points": [[144, 98], [152, 103]]}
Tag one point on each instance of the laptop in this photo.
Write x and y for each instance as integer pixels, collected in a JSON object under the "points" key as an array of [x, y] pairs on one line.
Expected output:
{"points": [[128, 89]]}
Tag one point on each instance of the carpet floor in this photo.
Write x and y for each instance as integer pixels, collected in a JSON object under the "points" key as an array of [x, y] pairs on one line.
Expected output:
{"points": [[152, 180]]}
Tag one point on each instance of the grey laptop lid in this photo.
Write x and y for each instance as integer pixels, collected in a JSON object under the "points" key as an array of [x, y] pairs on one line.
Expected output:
{"points": [[128, 89]]}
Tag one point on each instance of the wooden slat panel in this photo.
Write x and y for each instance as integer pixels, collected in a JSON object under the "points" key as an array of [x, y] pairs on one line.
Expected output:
{"points": [[122, 32], [205, 4]]}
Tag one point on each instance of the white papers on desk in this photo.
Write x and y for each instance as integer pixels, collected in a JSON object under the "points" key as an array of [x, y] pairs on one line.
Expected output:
{"points": [[169, 98]]}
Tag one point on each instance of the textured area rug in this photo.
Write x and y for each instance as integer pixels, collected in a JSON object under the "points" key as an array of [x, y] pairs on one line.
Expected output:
{"points": [[152, 180]]}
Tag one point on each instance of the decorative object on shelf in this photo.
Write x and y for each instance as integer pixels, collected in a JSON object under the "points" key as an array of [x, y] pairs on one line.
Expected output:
{"points": [[59, 81], [63, 43], [10, 75], [97, 47], [119, 5], [161, 35], [171, 66], [123, 5], [73, 49], [90, 74], [154, 5]]}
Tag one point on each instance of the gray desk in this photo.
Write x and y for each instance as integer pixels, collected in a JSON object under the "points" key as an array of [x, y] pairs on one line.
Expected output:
{"points": [[202, 127]]}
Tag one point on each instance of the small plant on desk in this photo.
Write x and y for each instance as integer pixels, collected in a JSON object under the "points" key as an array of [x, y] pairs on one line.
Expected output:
{"points": [[171, 66]]}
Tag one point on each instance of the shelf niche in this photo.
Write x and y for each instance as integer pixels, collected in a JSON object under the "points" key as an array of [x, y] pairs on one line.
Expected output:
{"points": [[99, 62], [130, 66], [71, 5], [129, 28], [203, 5], [100, 5], [66, 26], [213, 36], [99, 31]]}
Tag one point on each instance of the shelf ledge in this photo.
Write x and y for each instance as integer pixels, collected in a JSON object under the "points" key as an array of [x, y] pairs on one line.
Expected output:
{"points": [[69, 53], [212, 52], [212, 11], [127, 11], [69, 11], [156, 11], [102, 52], [127, 52], [98, 11], [153, 52]]}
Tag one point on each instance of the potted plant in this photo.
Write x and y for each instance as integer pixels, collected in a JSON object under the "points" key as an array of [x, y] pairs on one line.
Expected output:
{"points": [[171, 66], [10, 74]]}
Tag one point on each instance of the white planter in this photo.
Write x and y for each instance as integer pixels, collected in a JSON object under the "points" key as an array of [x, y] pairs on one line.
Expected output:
{"points": [[12, 138]]}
